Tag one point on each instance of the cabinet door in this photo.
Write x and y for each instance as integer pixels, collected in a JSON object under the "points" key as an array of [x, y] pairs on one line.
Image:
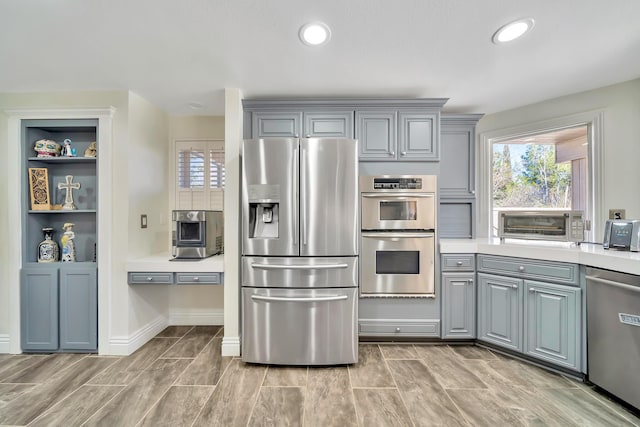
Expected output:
{"points": [[458, 305], [330, 125], [418, 136], [500, 310], [39, 308], [552, 323], [456, 219], [457, 161], [376, 133], [280, 124], [78, 308]]}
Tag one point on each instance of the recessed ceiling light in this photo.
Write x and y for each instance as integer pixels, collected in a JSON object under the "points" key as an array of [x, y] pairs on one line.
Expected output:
{"points": [[513, 30], [315, 34]]}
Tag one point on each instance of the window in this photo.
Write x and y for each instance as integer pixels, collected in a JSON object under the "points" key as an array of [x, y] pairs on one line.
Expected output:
{"points": [[200, 174], [541, 171], [567, 149]]}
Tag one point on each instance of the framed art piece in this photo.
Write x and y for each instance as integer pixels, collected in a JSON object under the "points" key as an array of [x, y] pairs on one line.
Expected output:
{"points": [[39, 189]]}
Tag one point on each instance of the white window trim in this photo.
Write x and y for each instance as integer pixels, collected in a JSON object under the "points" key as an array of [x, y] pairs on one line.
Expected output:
{"points": [[595, 119]]}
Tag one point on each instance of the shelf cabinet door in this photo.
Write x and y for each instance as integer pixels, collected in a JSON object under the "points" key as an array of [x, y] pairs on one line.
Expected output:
{"points": [[276, 124], [328, 125], [78, 308], [457, 162], [500, 310], [376, 133], [458, 305], [418, 136], [39, 308], [552, 323]]}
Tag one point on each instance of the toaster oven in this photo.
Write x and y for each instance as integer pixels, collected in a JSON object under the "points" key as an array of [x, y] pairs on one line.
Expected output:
{"points": [[562, 226], [622, 234]]}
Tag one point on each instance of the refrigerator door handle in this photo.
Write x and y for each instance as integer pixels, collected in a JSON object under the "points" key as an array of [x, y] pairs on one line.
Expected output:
{"points": [[396, 195], [298, 267], [303, 195], [295, 191], [388, 235], [299, 299]]}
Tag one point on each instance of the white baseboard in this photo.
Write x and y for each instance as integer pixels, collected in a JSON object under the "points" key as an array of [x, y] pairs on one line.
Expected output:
{"points": [[196, 317], [231, 346], [4, 343], [124, 346]]}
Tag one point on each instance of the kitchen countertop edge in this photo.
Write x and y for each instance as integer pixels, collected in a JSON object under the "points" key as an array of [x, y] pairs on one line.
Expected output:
{"points": [[588, 254], [160, 263]]}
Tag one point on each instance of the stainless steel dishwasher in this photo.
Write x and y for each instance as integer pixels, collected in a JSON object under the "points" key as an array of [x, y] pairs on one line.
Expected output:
{"points": [[613, 332]]}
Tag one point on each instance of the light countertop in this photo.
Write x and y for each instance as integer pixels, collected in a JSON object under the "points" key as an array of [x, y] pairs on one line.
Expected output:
{"points": [[587, 253], [160, 263]]}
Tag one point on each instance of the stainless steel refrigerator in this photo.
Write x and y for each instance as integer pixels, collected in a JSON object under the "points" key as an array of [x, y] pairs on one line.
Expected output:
{"points": [[300, 224]]}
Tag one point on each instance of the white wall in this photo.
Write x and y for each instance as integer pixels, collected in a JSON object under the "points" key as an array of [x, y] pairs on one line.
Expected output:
{"points": [[194, 304], [621, 143]]}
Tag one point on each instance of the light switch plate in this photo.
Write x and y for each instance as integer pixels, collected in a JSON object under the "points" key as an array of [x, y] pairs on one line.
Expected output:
{"points": [[617, 213], [143, 221]]}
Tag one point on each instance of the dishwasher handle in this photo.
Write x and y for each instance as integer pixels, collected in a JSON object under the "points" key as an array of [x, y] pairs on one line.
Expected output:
{"points": [[612, 283]]}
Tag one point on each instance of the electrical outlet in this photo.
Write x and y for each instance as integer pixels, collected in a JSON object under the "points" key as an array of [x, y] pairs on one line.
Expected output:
{"points": [[617, 213], [143, 221]]}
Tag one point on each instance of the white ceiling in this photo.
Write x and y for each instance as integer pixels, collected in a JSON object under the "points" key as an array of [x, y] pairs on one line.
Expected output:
{"points": [[174, 52]]}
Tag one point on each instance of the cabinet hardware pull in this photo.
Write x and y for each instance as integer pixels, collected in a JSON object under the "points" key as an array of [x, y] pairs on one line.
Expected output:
{"points": [[307, 136], [392, 153], [403, 153], [397, 329], [149, 279], [514, 286], [471, 281], [195, 279], [521, 268], [532, 290], [459, 263]]}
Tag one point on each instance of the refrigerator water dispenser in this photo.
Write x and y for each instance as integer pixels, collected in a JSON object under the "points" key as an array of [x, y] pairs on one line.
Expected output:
{"points": [[263, 218]]}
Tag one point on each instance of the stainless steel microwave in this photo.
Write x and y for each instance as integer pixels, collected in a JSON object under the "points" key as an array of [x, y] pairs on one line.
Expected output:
{"points": [[622, 234], [562, 226]]}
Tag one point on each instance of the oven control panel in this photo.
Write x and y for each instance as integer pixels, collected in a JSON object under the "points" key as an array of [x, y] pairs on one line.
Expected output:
{"points": [[397, 183]]}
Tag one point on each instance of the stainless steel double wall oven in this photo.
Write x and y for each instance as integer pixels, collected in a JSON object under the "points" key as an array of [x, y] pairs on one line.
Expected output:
{"points": [[300, 223], [398, 236]]}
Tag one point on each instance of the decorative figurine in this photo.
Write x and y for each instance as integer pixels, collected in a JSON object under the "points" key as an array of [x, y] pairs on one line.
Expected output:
{"points": [[48, 250], [67, 243], [66, 149], [68, 199], [46, 148], [91, 150]]}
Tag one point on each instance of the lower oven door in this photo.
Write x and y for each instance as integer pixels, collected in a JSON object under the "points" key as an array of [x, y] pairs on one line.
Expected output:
{"points": [[299, 326], [397, 264]]}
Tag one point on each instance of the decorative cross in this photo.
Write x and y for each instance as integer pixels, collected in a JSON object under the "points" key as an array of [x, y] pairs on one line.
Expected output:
{"points": [[68, 199]]}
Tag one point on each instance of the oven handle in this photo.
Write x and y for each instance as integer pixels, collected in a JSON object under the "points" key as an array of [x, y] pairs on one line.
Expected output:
{"points": [[394, 195], [299, 299], [298, 267], [387, 235]]}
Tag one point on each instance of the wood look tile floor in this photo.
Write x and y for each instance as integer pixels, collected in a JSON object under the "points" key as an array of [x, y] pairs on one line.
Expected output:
{"points": [[179, 378]]}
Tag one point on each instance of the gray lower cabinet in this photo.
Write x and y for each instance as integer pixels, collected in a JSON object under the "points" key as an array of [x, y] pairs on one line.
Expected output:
{"points": [[59, 308], [500, 310], [520, 308], [178, 278], [458, 296], [297, 124]]}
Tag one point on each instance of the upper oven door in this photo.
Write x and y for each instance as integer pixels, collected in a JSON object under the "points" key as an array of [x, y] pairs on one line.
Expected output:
{"points": [[398, 211]]}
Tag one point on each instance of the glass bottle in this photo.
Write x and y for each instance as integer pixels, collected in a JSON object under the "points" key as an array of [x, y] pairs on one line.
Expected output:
{"points": [[48, 250], [68, 244]]}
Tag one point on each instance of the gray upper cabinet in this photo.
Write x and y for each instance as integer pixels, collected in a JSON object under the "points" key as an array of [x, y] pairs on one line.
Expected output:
{"points": [[376, 132], [276, 124], [418, 136], [335, 124], [457, 160]]}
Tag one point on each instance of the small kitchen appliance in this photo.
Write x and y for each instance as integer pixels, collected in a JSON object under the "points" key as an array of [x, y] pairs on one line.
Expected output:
{"points": [[622, 234], [197, 234], [300, 223], [554, 225]]}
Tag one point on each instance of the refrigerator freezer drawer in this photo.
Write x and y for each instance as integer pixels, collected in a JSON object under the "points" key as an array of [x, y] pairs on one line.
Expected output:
{"points": [[316, 272], [299, 326]]}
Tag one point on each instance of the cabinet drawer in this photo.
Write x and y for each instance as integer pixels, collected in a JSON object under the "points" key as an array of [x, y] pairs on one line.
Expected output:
{"points": [[458, 262], [400, 328], [199, 278], [528, 268], [150, 278]]}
